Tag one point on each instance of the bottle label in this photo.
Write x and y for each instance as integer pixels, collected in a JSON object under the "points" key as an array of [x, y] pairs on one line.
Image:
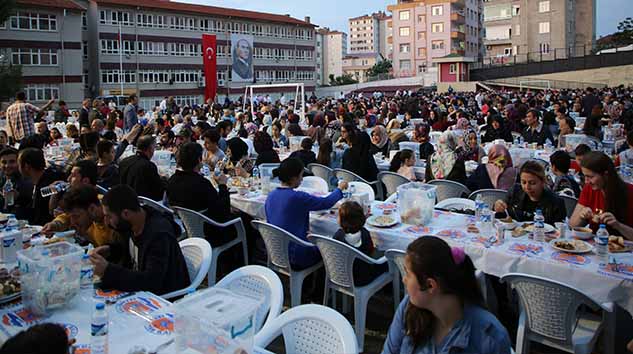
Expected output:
{"points": [[99, 329]]}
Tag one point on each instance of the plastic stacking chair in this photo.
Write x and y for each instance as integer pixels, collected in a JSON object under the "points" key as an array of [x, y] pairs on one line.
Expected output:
{"points": [[338, 258], [316, 183], [261, 283], [489, 196], [310, 329], [194, 224], [570, 204], [550, 315], [396, 267], [101, 190], [197, 253], [154, 205], [277, 240], [362, 187], [321, 171], [456, 203], [449, 189], [350, 176], [391, 181]]}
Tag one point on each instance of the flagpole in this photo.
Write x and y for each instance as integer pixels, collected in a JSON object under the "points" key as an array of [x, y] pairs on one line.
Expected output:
{"points": [[120, 58]]}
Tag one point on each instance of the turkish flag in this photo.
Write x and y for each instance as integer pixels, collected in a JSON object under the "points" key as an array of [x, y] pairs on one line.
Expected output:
{"points": [[210, 66]]}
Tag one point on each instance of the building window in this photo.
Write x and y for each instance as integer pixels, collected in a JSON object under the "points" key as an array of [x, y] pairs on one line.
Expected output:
{"points": [[452, 69], [437, 27], [84, 21], [544, 48], [516, 10], [507, 52], [422, 52], [437, 45], [34, 56], [404, 31], [109, 46], [420, 18], [405, 48], [543, 6], [404, 15], [517, 30], [41, 92], [113, 77], [437, 10], [543, 27], [421, 36], [405, 64], [33, 22], [110, 17], [84, 47], [422, 68]]}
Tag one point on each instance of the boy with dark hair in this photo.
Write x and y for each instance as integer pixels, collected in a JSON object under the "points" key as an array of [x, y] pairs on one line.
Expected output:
{"points": [[45, 338], [213, 154], [564, 183], [32, 165]]}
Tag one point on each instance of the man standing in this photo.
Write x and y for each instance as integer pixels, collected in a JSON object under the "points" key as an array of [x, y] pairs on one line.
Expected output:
{"points": [[20, 117], [84, 121], [140, 173], [588, 102], [129, 113]]}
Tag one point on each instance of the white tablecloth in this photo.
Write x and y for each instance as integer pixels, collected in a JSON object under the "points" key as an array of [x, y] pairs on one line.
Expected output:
{"points": [[587, 272]]}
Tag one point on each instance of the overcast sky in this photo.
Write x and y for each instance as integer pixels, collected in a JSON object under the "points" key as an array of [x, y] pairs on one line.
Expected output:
{"points": [[334, 13]]}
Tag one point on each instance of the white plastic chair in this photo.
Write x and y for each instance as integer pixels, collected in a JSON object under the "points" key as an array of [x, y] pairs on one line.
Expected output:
{"points": [[261, 283], [101, 189], [570, 204], [162, 208], [321, 171], [396, 267], [362, 187], [549, 315], [310, 329], [350, 176], [194, 224], [434, 137], [315, 183], [277, 240], [391, 180], [198, 254], [338, 258], [489, 196], [448, 189], [456, 203]]}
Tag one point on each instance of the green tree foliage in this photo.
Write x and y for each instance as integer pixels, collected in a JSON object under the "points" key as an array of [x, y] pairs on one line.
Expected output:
{"points": [[10, 80], [381, 67], [345, 79], [6, 6]]}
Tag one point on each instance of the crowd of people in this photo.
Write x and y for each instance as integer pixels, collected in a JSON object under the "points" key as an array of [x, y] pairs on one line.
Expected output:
{"points": [[444, 306]]}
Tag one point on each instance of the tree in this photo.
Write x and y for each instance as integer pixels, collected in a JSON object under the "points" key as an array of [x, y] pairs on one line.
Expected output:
{"points": [[381, 67], [11, 79], [622, 38], [6, 6]]}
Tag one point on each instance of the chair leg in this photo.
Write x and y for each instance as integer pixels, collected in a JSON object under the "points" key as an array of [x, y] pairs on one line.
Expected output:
{"points": [[212, 269], [396, 293], [609, 332], [245, 251], [523, 343], [296, 283], [333, 298], [326, 292], [345, 303], [360, 313]]}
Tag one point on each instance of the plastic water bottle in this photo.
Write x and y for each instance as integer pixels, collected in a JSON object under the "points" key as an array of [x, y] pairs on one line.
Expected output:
{"points": [[479, 205], [99, 330], [54, 189], [12, 223], [204, 170], [602, 242], [87, 272], [255, 172], [8, 192], [352, 191], [539, 226]]}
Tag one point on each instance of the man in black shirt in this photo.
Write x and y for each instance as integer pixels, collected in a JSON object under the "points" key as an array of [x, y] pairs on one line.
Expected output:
{"points": [[33, 166], [160, 267], [535, 132], [140, 173], [22, 187]]}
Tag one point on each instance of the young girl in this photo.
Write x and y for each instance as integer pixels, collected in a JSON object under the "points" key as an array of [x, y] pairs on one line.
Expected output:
{"points": [[443, 312], [351, 219], [402, 164]]}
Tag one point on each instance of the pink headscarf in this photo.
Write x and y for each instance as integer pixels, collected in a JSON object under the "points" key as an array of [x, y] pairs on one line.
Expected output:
{"points": [[462, 123], [499, 167]]}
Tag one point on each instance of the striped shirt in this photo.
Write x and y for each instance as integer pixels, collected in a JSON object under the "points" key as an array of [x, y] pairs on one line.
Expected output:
{"points": [[20, 119]]}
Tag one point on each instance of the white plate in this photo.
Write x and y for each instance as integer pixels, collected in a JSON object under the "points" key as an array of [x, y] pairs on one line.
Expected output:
{"points": [[588, 247], [548, 228], [372, 220]]}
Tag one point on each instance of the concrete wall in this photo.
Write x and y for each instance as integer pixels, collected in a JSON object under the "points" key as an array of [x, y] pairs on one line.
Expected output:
{"points": [[468, 86], [427, 79], [612, 76]]}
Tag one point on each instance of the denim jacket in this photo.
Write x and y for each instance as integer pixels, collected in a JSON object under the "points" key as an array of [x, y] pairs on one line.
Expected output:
{"points": [[478, 332]]}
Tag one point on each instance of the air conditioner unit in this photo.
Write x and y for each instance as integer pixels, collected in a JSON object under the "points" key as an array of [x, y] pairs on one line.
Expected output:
{"points": [[221, 82]]}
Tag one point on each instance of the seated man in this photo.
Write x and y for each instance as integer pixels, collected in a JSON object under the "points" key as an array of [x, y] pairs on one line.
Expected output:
{"points": [[139, 172], [161, 267], [22, 187], [33, 166], [83, 208]]}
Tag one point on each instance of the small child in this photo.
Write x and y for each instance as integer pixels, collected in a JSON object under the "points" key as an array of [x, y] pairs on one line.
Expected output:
{"points": [[351, 219], [402, 164]]}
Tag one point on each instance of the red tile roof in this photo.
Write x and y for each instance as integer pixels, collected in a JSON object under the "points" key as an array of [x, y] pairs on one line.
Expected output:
{"points": [[206, 10], [58, 4]]}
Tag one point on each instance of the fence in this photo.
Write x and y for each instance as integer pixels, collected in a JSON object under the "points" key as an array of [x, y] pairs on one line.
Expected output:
{"points": [[537, 83]]}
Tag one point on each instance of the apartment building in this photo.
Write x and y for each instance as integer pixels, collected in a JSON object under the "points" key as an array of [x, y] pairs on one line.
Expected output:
{"points": [[533, 30], [319, 59], [358, 64], [44, 37], [386, 47], [425, 30], [366, 32], [334, 48]]}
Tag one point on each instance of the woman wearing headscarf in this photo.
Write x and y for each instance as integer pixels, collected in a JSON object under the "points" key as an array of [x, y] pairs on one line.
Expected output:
{"points": [[239, 163], [495, 129], [498, 173], [357, 157], [469, 149], [379, 141], [421, 135], [444, 163]]}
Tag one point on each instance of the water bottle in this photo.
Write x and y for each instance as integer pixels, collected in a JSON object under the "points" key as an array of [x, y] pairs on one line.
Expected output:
{"points": [[99, 330], [487, 223], [12, 223], [256, 172], [87, 272], [352, 191], [602, 242], [8, 192], [539, 226], [54, 189], [479, 205], [204, 170]]}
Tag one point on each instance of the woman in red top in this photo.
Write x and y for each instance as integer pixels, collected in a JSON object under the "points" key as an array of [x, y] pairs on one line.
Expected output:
{"points": [[604, 198]]}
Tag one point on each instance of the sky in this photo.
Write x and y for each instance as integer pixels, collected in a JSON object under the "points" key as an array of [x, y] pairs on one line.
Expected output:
{"points": [[334, 13]]}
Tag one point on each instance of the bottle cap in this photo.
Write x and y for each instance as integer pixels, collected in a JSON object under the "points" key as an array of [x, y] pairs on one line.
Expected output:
{"points": [[100, 306], [603, 226]]}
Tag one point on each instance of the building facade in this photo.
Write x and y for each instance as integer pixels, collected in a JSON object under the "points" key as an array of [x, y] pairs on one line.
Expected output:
{"points": [[386, 46], [334, 48], [534, 30], [44, 37], [358, 64], [425, 30], [366, 33]]}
